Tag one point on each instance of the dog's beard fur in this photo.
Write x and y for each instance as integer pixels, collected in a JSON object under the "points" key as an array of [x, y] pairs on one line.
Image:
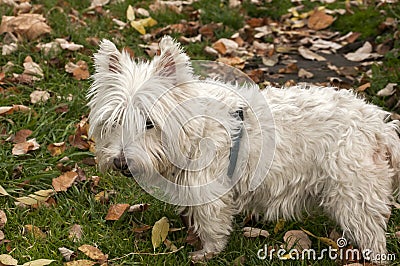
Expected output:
{"points": [[300, 147]]}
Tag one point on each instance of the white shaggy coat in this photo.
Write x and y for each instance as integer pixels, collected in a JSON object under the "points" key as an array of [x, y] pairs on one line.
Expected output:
{"points": [[300, 147]]}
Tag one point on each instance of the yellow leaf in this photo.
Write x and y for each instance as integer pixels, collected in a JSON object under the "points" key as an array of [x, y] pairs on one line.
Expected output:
{"points": [[140, 24], [80, 263], [130, 13], [6, 259], [36, 231], [139, 27], [148, 22], [3, 191], [279, 226], [324, 240], [159, 232]]}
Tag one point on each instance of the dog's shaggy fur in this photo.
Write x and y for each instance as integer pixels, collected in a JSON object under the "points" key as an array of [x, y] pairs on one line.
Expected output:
{"points": [[299, 147]]}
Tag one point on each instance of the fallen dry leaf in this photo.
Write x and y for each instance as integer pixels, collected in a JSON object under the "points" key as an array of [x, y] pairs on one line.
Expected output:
{"points": [[308, 54], [29, 26], [35, 231], [80, 138], [39, 96], [225, 46], [389, 89], [67, 253], [159, 232], [93, 253], [170, 245], [279, 226], [362, 53], [75, 232], [304, 74], [7, 260], [2, 236], [66, 45], [324, 240], [364, 87], [142, 229], [297, 239], [32, 69], [232, 61], [3, 219], [116, 211], [39, 262], [141, 24], [319, 20], [20, 136], [6, 110], [254, 232], [57, 148], [79, 70], [64, 181], [25, 147], [36, 198], [3, 192]]}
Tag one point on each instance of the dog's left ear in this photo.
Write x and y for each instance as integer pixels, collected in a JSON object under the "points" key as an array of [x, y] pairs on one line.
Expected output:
{"points": [[107, 58], [172, 61]]}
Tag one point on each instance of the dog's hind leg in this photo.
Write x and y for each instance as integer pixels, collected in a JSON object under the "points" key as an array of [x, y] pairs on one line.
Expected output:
{"points": [[362, 210]]}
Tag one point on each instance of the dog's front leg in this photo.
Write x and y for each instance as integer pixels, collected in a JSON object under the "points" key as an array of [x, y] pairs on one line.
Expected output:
{"points": [[212, 222]]}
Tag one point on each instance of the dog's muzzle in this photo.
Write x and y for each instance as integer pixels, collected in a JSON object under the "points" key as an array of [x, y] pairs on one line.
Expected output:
{"points": [[121, 165]]}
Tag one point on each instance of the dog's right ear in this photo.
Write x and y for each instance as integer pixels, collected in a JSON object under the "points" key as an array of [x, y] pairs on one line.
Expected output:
{"points": [[107, 58]]}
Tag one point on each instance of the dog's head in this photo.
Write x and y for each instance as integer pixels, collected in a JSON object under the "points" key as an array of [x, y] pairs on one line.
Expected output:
{"points": [[129, 101]]}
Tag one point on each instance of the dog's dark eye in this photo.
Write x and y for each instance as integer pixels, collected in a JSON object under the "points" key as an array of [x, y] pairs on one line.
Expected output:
{"points": [[149, 124]]}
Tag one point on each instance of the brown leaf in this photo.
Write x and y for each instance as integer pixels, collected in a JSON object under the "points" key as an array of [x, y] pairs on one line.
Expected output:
{"points": [[80, 139], [225, 46], [93, 253], [1, 236], [21, 135], [3, 219], [364, 86], [141, 229], [36, 231], [305, 74], [25, 147], [116, 211], [170, 245], [6, 110], [319, 20], [232, 61], [297, 239], [79, 70], [75, 232], [29, 26], [64, 181], [57, 148]]}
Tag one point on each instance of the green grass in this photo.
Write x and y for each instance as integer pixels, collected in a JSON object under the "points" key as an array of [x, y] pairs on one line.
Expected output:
{"points": [[78, 204]]}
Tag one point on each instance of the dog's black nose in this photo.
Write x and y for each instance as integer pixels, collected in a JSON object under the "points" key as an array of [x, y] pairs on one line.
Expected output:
{"points": [[120, 163]]}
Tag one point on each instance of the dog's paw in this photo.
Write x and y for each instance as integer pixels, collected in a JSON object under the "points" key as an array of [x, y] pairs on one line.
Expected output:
{"points": [[201, 255]]}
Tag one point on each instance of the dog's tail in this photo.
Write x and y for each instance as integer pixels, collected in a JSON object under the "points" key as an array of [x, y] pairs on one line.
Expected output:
{"points": [[393, 147]]}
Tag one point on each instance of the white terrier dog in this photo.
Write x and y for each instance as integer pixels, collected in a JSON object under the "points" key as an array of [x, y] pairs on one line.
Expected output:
{"points": [[219, 149]]}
